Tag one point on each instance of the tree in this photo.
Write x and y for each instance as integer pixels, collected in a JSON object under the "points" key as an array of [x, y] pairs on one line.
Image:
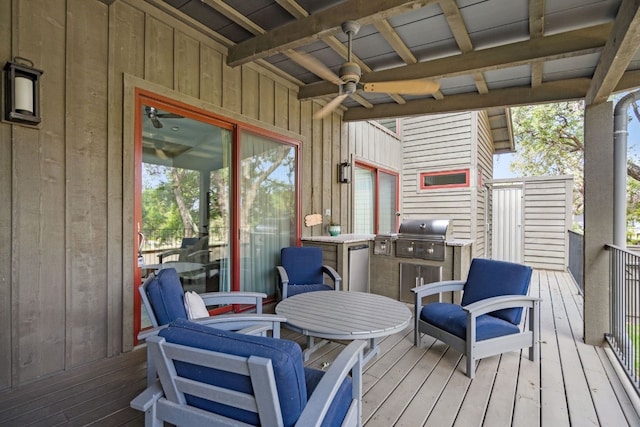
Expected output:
{"points": [[550, 141]]}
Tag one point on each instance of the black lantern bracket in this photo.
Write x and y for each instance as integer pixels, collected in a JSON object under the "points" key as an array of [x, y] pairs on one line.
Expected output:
{"points": [[22, 92], [344, 172]]}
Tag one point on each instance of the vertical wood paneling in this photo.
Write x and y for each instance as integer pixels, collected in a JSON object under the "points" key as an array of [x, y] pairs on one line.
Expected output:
{"points": [[316, 166], [6, 284], [250, 92], [281, 106], [306, 169], [86, 191], [159, 51], [326, 154], [210, 75], [337, 207], [295, 113], [231, 87], [266, 99], [187, 54], [126, 29], [39, 201]]}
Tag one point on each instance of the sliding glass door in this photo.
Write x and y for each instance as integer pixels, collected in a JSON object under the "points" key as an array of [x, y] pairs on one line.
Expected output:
{"points": [[268, 208], [215, 200]]}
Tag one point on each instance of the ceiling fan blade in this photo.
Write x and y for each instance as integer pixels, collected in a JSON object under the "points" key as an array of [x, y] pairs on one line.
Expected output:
{"points": [[161, 154], [156, 122], [331, 105], [404, 87], [315, 66]]}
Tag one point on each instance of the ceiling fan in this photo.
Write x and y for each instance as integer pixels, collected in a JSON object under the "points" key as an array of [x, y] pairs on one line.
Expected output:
{"points": [[154, 116], [349, 79]]}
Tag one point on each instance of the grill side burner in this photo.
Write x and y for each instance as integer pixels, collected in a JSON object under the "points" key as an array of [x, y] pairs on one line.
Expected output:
{"points": [[423, 238]]}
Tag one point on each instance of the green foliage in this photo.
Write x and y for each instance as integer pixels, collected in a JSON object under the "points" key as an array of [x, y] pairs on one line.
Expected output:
{"points": [[549, 141]]}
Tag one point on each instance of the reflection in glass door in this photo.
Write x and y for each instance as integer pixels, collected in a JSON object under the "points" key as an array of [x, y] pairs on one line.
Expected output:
{"points": [[267, 209], [186, 209]]}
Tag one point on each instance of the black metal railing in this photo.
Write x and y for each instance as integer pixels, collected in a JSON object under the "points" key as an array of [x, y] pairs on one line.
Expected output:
{"points": [[576, 258], [624, 337]]}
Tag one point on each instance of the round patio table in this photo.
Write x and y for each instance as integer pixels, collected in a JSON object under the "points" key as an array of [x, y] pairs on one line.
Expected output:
{"points": [[337, 315]]}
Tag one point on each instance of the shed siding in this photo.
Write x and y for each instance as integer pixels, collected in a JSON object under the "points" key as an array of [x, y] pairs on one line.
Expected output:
{"points": [[67, 265], [547, 217]]}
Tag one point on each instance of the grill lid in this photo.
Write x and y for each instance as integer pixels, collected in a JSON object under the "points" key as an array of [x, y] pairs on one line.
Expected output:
{"points": [[433, 229]]}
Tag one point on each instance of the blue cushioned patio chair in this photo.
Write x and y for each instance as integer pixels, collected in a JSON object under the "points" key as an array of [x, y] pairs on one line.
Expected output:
{"points": [[488, 321], [163, 299], [214, 377], [301, 270]]}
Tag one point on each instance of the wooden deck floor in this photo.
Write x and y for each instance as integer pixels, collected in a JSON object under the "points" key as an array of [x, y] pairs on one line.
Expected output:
{"points": [[574, 384]]}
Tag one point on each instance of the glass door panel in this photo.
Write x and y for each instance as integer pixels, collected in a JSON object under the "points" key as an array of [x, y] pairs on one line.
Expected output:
{"points": [[267, 214], [364, 201], [186, 209], [387, 202]]}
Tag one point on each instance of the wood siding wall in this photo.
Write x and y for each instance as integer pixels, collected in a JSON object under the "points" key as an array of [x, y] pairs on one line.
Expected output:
{"points": [[67, 235], [438, 143], [484, 164]]}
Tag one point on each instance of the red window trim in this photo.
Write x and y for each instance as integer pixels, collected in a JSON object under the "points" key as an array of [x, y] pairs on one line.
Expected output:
{"points": [[441, 173]]}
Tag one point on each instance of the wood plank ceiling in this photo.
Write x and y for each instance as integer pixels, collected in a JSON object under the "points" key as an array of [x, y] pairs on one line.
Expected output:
{"points": [[483, 53]]}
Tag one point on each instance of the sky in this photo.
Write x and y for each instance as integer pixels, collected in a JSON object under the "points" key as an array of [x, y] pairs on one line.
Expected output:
{"points": [[501, 162]]}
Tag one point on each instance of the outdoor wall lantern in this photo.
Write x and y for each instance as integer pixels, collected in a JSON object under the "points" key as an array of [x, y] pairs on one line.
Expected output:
{"points": [[22, 92], [344, 172]]}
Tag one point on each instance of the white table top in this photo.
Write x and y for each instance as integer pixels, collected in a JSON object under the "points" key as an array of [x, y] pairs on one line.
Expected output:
{"points": [[341, 315]]}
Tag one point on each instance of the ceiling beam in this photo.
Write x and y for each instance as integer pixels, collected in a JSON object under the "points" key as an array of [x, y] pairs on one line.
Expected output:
{"points": [[461, 34], [561, 90], [322, 24], [557, 46], [620, 48], [536, 30]]}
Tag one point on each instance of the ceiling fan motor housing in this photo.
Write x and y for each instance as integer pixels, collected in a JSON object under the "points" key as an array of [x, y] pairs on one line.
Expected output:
{"points": [[350, 72]]}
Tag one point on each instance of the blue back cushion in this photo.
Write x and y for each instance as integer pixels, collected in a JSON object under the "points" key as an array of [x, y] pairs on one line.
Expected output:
{"points": [[303, 265], [167, 297], [490, 278], [286, 358]]}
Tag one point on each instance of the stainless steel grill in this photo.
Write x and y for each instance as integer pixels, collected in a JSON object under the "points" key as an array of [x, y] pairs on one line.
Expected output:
{"points": [[423, 238]]}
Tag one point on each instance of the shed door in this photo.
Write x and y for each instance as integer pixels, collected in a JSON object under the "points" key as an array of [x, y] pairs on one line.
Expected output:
{"points": [[507, 230]]}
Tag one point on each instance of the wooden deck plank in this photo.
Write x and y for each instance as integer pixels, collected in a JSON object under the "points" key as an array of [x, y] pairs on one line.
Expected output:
{"points": [[554, 410], [605, 404], [476, 399], [403, 386], [526, 410], [501, 401], [581, 408], [397, 400]]}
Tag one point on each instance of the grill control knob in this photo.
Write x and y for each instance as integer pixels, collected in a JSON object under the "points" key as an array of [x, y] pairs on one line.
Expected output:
{"points": [[430, 250]]}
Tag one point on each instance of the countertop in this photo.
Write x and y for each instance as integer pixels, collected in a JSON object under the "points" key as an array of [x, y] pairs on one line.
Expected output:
{"points": [[340, 238]]}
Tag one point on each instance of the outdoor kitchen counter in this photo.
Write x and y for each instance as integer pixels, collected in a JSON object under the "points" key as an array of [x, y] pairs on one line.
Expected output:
{"points": [[341, 238], [338, 252]]}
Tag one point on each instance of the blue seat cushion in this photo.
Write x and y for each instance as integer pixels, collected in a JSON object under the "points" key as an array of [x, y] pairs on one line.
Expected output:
{"points": [[299, 289], [341, 402], [166, 296], [286, 359], [453, 319], [303, 264], [490, 278]]}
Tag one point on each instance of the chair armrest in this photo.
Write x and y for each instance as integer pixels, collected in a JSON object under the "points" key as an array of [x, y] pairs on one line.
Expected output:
{"points": [[498, 303], [143, 335], [437, 287], [221, 298], [333, 274], [167, 253], [350, 359], [148, 397], [284, 281]]}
